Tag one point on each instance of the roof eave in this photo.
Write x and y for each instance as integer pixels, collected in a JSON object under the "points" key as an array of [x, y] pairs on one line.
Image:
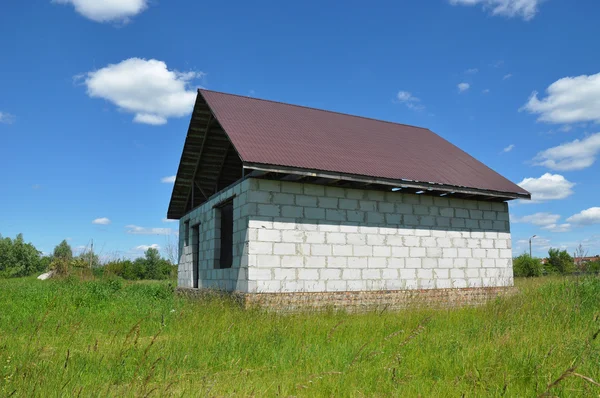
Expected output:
{"points": [[386, 181]]}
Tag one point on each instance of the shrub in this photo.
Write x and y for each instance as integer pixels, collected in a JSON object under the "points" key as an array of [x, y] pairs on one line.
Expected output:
{"points": [[526, 266], [559, 262], [18, 258]]}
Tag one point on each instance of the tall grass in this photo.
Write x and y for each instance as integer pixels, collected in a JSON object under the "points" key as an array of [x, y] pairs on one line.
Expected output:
{"points": [[112, 338]]}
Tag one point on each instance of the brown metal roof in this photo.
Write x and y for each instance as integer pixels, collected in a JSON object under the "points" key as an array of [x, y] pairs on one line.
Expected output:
{"points": [[274, 133]]}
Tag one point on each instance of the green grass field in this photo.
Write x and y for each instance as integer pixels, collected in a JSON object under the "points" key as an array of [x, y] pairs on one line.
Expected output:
{"points": [[112, 338]]}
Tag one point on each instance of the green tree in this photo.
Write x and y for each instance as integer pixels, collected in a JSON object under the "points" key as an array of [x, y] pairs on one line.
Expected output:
{"points": [[18, 258], [153, 263], [63, 251], [527, 266], [559, 262]]}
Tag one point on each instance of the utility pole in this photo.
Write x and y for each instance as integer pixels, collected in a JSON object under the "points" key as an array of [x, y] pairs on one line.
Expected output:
{"points": [[92, 253], [530, 245]]}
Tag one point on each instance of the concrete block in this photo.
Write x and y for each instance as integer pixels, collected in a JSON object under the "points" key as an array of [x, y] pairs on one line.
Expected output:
{"points": [[476, 214], [481, 205], [375, 240], [337, 262], [330, 273], [308, 274], [351, 274], [404, 208], [393, 218], [320, 250], [269, 185], [429, 262], [348, 204], [336, 286], [335, 215], [362, 250], [315, 262], [355, 216], [282, 198], [461, 213], [375, 218], [443, 284], [407, 273], [315, 237], [458, 223], [420, 210], [386, 207], [371, 274], [284, 248], [335, 192], [418, 252], [411, 241], [489, 215], [400, 252], [473, 262], [396, 262], [268, 260], [284, 274], [382, 251], [306, 201], [434, 252], [269, 235], [389, 273], [259, 274], [269, 210], [293, 236], [410, 199], [357, 262], [413, 262], [292, 211], [314, 190], [377, 262], [293, 261], [356, 239], [424, 273], [342, 250], [260, 248], [313, 213], [450, 252], [327, 203]]}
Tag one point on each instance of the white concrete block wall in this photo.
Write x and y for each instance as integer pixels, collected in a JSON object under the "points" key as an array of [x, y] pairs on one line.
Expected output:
{"points": [[311, 238], [208, 221]]}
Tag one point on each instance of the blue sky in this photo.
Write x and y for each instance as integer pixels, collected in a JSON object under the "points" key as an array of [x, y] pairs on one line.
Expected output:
{"points": [[96, 95]]}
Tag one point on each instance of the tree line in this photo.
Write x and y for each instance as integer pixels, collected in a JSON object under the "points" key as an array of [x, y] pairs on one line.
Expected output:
{"points": [[558, 262], [19, 259]]}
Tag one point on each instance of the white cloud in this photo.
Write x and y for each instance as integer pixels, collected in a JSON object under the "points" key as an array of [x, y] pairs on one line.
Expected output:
{"points": [[539, 219], [569, 100], [547, 187], [135, 230], [167, 220], [101, 221], [586, 217], [462, 87], [558, 227], [471, 71], [143, 248], [485, 91], [546, 221], [168, 180], [146, 88], [107, 10], [525, 9], [409, 100], [509, 148], [507, 76], [574, 155], [6, 118]]}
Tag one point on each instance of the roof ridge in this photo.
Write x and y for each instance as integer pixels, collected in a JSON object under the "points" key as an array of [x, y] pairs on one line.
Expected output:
{"points": [[315, 109]]}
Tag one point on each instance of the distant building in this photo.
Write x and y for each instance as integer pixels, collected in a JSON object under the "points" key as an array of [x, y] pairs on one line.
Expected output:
{"points": [[291, 206]]}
